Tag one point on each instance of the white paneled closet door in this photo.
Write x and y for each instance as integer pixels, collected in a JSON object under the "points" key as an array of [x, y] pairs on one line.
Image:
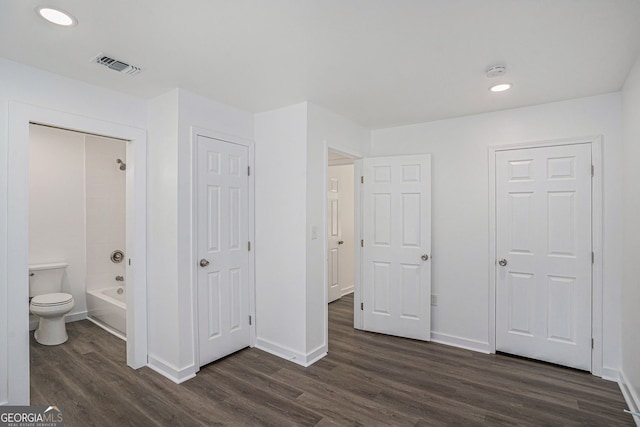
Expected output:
{"points": [[544, 254], [396, 221], [222, 248]]}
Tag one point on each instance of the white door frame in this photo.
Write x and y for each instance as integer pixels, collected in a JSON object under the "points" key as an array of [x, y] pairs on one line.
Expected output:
{"points": [[596, 232], [358, 314], [232, 139], [20, 117]]}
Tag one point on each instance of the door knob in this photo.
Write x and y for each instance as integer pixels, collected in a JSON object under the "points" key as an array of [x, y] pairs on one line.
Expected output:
{"points": [[502, 262], [425, 257], [341, 242], [204, 262]]}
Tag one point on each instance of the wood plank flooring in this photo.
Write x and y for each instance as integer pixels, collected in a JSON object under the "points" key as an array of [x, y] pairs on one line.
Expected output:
{"points": [[367, 379]]}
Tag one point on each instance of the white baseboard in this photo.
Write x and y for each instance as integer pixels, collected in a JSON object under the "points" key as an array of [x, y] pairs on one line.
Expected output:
{"points": [[168, 371], [609, 374], [465, 343], [292, 355], [107, 328], [631, 396], [315, 355], [348, 290]]}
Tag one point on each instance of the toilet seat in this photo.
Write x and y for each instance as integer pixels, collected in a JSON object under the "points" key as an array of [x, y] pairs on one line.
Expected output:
{"points": [[51, 300]]}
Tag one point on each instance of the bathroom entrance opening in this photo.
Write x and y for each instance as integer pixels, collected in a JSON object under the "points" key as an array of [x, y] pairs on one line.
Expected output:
{"points": [[21, 119]]}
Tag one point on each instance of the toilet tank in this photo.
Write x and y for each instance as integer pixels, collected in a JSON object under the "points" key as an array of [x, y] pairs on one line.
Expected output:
{"points": [[46, 278]]}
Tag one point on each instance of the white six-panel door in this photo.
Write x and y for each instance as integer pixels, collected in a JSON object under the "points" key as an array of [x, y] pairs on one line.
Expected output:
{"points": [[543, 244], [222, 248], [396, 220], [333, 238]]}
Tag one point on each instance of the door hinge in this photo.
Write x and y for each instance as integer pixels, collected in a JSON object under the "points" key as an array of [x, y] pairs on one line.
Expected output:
{"points": [[362, 243], [593, 257], [248, 170], [129, 261], [249, 246], [592, 344], [593, 170], [362, 180], [361, 306], [249, 320]]}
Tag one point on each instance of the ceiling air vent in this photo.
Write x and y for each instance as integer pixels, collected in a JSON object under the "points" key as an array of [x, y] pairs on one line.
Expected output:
{"points": [[114, 64]]}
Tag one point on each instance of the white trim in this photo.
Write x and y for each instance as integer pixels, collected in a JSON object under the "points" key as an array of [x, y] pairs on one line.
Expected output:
{"points": [[291, 355], [343, 151], [454, 341], [325, 246], [169, 371], [232, 139], [610, 374], [596, 225], [20, 116], [357, 250], [348, 290], [630, 395], [107, 328], [340, 162]]}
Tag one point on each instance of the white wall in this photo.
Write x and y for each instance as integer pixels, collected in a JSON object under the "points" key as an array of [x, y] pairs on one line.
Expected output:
{"points": [[344, 175], [162, 238], [631, 267], [105, 210], [281, 231], [28, 85], [171, 118], [57, 207], [460, 203]]}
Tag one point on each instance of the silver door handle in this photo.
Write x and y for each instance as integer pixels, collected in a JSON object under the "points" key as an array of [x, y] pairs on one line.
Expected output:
{"points": [[425, 257], [502, 262], [204, 262]]}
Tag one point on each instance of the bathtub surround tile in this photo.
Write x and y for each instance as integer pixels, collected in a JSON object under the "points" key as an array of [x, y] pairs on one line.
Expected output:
{"points": [[106, 223]]}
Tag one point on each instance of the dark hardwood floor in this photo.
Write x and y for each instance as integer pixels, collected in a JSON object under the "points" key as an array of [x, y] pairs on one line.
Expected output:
{"points": [[367, 379]]}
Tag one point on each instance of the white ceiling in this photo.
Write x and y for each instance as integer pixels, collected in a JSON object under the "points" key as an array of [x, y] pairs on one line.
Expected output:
{"points": [[379, 62]]}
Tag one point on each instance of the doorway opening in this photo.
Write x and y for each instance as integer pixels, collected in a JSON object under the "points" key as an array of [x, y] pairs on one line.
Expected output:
{"points": [[77, 217], [22, 118], [340, 226]]}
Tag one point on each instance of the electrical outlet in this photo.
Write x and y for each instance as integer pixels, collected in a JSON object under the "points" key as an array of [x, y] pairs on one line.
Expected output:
{"points": [[434, 300]]}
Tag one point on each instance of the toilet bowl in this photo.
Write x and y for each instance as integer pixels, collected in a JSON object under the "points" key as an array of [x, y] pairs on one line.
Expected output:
{"points": [[51, 309]]}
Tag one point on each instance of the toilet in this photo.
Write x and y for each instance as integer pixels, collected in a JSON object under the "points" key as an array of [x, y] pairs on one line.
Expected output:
{"points": [[48, 303]]}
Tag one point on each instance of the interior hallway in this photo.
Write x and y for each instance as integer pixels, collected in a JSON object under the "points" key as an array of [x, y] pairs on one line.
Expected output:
{"points": [[367, 379]]}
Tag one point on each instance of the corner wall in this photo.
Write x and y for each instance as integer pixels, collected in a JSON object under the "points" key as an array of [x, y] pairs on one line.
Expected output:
{"points": [[281, 231], [460, 275], [631, 267], [172, 116]]}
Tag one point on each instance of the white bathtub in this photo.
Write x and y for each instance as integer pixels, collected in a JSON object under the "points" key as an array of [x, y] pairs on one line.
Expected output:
{"points": [[108, 309]]}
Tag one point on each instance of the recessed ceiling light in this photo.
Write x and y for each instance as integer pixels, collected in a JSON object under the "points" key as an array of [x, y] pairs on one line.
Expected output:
{"points": [[57, 16], [500, 87]]}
